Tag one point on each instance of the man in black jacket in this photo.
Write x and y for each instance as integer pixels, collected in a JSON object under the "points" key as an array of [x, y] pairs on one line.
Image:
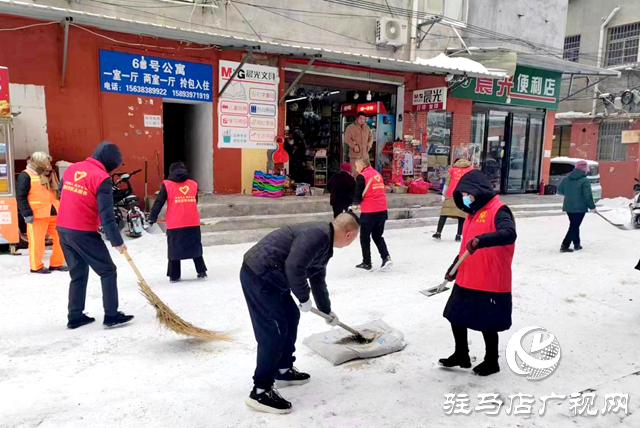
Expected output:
{"points": [[287, 261]]}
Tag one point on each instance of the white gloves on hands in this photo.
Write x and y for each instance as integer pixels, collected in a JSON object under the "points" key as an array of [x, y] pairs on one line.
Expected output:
{"points": [[443, 198], [334, 321], [305, 306]]}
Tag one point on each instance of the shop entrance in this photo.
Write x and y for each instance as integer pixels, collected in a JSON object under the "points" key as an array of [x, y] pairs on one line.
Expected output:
{"points": [[509, 143], [188, 137]]}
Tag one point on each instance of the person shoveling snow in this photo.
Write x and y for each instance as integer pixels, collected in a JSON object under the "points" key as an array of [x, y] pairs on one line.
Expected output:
{"points": [[287, 261]]}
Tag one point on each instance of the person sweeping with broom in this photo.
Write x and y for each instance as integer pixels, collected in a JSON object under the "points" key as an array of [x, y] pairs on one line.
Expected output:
{"points": [[184, 239], [481, 297], [289, 260], [86, 201]]}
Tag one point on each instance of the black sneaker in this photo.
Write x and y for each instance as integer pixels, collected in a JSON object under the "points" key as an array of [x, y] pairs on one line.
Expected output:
{"points": [[79, 322], [42, 270], [63, 268], [564, 249], [202, 275], [437, 236], [456, 360], [173, 281], [121, 318], [577, 247], [386, 263], [269, 401], [458, 238], [291, 377], [486, 368], [365, 266]]}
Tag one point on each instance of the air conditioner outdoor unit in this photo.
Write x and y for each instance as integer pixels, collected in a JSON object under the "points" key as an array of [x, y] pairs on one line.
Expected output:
{"points": [[391, 32]]}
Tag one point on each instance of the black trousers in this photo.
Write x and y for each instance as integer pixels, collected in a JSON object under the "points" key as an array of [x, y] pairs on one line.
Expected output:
{"points": [[83, 251], [174, 271], [462, 345], [372, 226], [339, 208], [275, 317], [443, 220], [573, 235]]}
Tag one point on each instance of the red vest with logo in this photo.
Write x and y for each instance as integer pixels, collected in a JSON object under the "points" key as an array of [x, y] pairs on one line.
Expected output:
{"points": [[488, 269], [182, 207], [78, 203], [456, 174], [374, 200]]}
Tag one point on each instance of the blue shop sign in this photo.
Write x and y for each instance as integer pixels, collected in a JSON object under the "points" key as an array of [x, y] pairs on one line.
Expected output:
{"points": [[125, 73]]}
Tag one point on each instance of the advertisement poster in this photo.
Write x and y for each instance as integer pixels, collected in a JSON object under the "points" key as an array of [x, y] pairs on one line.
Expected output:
{"points": [[5, 108], [430, 99], [248, 109], [9, 232]]}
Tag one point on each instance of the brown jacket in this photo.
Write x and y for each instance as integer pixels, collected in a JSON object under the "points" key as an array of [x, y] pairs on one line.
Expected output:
{"points": [[359, 139]]}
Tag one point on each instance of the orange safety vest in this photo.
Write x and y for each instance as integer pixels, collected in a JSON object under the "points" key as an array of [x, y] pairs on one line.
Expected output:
{"points": [[40, 199]]}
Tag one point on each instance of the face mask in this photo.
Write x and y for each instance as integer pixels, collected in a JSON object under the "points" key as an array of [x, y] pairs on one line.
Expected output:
{"points": [[466, 200]]}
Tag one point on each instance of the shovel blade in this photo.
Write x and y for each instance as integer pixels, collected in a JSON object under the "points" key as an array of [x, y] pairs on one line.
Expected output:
{"points": [[434, 290]]}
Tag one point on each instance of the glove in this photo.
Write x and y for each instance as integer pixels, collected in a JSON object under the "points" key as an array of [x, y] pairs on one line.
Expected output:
{"points": [[333, 322], [354, 207], [472, 245], [443, 198], [305, 306], [450, 277], [28, 219]]}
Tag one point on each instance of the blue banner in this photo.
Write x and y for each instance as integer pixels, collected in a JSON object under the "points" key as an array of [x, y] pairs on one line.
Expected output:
{"points": [[125, 73]]}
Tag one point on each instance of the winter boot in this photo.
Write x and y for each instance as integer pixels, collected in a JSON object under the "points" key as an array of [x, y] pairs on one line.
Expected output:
{"points": [[455, 360], [365, 266], [386, 263], [42, 270], [577, 247], [437, 236], [291, 377], [202, 275], [458, 238], [268, 401], [564, 249], [63, 268], [79, 322], [486, 368], [120, 318]]}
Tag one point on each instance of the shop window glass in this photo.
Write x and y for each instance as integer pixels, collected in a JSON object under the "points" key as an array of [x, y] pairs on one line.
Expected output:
{"points": [[534, 153], [439, 125], [610, 147]]}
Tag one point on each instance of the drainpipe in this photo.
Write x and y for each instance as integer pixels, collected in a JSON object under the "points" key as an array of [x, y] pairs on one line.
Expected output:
{"points": [[414, 30], [600, 49]]}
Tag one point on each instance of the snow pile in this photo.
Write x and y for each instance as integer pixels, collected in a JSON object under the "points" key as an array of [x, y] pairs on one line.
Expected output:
{"points": [[616, 209], [461, 64]]}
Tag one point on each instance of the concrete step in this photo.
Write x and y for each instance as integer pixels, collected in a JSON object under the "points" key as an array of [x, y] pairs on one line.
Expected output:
{"points": [[239, 236]]}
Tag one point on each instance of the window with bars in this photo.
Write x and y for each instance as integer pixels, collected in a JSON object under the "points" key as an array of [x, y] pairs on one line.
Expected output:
{"points": [[571, 48], [623, 44], [610, 147]]}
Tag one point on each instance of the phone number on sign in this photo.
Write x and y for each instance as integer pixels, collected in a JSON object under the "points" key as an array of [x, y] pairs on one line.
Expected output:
{"points": [[190, 94], [145, 90]]}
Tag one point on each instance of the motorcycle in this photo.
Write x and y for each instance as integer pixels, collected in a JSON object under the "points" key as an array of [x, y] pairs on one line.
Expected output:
{"points": [[634, 206], [125, 205]]}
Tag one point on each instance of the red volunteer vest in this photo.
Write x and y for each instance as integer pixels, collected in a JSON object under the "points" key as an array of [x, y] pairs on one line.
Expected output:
{"points": [[78, 204], [456, 174], [182, 208], [488, 269], [374, 200]]}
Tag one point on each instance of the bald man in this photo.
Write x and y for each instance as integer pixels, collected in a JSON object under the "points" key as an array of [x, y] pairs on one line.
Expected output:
{"points": [[289, 260]]}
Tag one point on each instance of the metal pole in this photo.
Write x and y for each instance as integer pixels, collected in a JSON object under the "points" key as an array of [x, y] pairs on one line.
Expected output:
{"points": [[235, 73], [584, 89], [297, 79], [65, 51]]}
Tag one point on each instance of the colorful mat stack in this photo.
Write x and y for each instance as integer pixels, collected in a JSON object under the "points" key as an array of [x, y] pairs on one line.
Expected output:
{"points": [[268, 185]]}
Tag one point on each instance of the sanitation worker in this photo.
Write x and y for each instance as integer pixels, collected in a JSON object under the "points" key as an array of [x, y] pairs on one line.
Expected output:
{"points": [[481, 297], [86, 202], [289, 260], [36, 193]]}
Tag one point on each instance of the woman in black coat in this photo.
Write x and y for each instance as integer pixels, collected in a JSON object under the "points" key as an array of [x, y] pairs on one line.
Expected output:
{"points": [[182, 219], [481, 297], [341, 187]]}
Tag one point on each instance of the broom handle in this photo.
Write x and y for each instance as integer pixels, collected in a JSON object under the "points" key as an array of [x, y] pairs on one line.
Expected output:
{"points": [[454, 269], [133, 266], [328, 318]]}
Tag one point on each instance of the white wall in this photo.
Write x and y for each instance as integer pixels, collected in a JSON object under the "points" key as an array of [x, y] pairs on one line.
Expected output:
{"points": [[30, 127]]}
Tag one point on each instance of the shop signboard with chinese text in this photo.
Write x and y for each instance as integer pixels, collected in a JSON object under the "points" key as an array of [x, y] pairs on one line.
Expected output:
{"points": [[248, 109], [126, 73], [529, 87], [630, 137], [430, 99]]}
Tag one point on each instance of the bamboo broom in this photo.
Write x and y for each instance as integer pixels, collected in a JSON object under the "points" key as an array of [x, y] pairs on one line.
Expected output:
{"points": [[170, 319]]}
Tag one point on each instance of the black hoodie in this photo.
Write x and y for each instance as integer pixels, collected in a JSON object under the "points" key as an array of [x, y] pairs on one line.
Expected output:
{"points": [[108, 154], [178, 175], [478, 185]]}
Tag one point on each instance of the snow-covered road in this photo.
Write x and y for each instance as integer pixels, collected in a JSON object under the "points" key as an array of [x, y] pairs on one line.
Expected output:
{"points": [[140, 375]]}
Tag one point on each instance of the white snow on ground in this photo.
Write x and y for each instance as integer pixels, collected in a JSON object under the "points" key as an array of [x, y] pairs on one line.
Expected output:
{"points": [[142, 376], [616, 209]]}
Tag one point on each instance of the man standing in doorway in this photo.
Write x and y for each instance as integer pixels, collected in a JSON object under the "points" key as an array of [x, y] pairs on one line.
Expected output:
{"points": [[372, 199], [359, 138]]}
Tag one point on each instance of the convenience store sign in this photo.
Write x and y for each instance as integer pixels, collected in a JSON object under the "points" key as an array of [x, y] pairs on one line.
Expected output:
{"points": [[530, 87]]}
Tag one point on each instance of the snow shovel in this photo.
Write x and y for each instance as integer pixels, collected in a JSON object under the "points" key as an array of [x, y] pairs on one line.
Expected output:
{"points": [[443, 287], [358, 337], [619, 226]]}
